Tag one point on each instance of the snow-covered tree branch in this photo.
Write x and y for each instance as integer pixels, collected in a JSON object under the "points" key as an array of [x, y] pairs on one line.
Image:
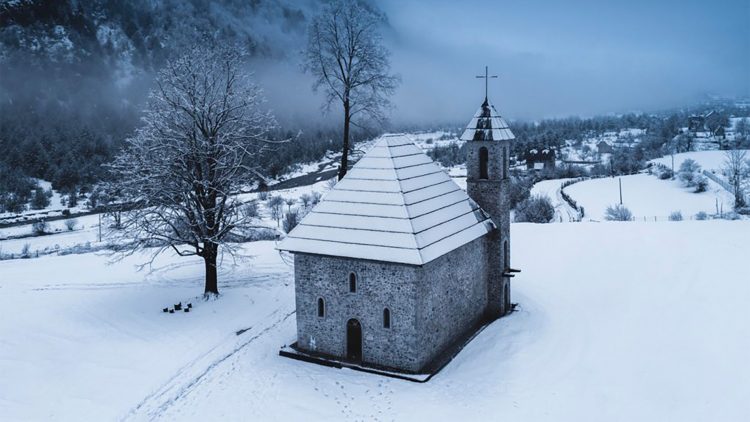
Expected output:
{"points": [[203, 131]]}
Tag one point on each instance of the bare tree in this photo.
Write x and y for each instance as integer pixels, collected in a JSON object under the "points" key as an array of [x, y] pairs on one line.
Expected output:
{"points": [[346, 56], [203, 129], [737, 171]]}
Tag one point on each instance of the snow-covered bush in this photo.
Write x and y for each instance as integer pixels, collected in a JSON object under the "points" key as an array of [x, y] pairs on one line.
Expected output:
{"points": [[39, 228], [618, 213], [665, 175], [250, 210], [71, 224], [26, 251], [701, 216], [519, 189], [688, 171], [536, 209], [263, 195], [315, 198], [701, 183], [675, 216], [291, 218]]}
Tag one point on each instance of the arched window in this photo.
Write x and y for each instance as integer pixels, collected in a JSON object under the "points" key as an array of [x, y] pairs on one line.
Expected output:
{"points": [[352, 283], [321, 307], [386, 318], [506, 254], [484, 157]]}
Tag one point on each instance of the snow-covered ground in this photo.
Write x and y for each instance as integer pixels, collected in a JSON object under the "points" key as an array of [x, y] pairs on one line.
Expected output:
{"points": [[708, 160], [429, 140], [564, 213], [618, 321], [647, 196]]}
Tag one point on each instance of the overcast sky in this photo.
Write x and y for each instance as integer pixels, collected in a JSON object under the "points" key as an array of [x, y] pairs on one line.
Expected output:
{"points": [[564, 58]]}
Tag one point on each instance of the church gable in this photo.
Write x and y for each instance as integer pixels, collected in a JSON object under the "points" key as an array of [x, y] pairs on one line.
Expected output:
{"points": [[394, 205]]}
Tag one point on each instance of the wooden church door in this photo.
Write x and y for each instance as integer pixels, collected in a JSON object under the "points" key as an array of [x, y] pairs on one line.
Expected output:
{"points": [[354, 340]]}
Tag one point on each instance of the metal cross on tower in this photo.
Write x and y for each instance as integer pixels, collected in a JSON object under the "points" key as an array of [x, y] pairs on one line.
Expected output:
{"points": [[486, 78]]}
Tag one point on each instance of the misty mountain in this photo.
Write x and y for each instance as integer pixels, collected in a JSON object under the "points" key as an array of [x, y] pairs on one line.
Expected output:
{"points": [[64, 50], [74, 75]]}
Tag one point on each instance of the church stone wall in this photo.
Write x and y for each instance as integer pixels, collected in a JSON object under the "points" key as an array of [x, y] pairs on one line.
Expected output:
{"points": [[379, 285], [451, 298], [492, 195]]}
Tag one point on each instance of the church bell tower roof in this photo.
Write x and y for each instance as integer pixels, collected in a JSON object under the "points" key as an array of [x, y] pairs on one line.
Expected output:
{"points": [[487, 125]]}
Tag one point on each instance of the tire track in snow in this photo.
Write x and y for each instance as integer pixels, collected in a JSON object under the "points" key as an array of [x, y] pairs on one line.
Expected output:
{"points": [[174, 389]]}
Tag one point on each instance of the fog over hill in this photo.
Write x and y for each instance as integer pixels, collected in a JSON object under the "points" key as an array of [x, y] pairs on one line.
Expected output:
{"points": [[74, 75]]}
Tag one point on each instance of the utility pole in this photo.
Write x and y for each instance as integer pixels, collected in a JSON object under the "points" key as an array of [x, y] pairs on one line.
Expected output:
{"points": [[100, 227], [620, 180]]}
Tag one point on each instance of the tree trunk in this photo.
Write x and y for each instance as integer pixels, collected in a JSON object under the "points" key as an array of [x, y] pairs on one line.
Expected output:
{"points": [[210, 252], [345, 152]]}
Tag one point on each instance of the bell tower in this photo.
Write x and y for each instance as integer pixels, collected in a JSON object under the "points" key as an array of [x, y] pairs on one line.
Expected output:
{"points": [[488, 139]]}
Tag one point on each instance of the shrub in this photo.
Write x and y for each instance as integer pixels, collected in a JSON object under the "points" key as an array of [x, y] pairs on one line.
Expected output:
{"points": [[689, 172], [536, 209], [250, 210], [25, 251], [315, 198], [71, 224], [701, 183], [519, 189], [291, 218], [263, 195], [618, 213], [675, 216], [39, 228], [665, 175], [701, 216]]}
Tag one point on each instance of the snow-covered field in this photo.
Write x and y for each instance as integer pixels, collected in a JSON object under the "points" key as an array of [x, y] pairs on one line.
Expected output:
{"points": [[617, 321], [647, 196], [708, 160]]}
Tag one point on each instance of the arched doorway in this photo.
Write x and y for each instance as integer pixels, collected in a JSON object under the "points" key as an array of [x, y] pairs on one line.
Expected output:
{"points": [[353, 340]]}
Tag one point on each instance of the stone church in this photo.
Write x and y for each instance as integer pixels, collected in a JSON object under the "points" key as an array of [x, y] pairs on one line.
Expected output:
{"points": [[397, 265]]}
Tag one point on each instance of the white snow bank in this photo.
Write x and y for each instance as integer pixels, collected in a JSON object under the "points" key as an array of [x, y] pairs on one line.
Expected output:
{"points": [[708, 160], [617, 322], [647, 197]]}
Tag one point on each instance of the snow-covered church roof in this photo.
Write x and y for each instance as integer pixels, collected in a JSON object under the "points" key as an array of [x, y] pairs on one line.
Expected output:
{"points": [[487, 125], [394, 205]]}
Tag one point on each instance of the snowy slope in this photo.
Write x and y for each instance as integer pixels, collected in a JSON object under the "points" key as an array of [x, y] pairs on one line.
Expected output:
{"points": [[624, 321], [708, 160], [647, 197]]}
